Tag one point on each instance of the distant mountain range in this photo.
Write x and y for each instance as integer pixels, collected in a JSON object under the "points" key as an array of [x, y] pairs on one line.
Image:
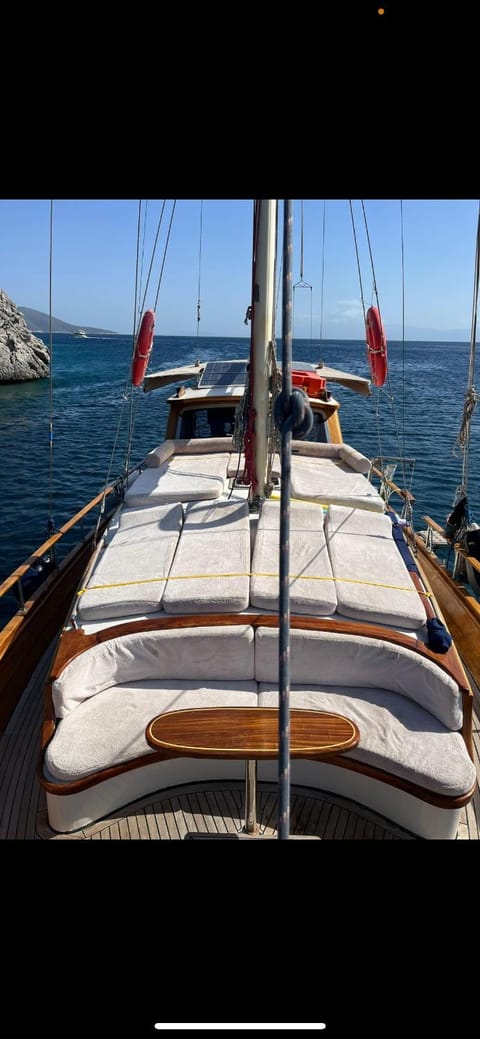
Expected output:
{"points": [[38, 322]]}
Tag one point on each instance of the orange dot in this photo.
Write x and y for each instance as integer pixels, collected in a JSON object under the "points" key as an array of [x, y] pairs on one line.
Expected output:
{"points": [[381, 10]]}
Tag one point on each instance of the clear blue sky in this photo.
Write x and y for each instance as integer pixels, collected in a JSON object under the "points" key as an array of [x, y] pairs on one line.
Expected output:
{"points": [[94, 251]]}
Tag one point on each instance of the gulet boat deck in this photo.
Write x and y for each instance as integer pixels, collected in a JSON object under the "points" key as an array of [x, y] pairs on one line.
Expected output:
{"points": [[199, 810]]}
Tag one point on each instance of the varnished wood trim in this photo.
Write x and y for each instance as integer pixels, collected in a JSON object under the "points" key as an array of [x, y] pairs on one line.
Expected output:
{"points": [[10, 581], [434, 526], [460, 611], [475, 563], [75, 642]]}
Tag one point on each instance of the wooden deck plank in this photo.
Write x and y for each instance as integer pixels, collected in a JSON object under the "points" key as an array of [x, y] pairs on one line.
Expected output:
{"points": [[230, 825], [151, 821], [350, 827], [215, 811], [180, 822], [304, 815], [332, 822], [196, 813], [124, 829], [269, 816], [210, 822], [323, 818], [360, 829]]}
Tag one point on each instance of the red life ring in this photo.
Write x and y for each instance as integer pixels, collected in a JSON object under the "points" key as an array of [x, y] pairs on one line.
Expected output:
{"points": [[143, 348], [377, 346]]}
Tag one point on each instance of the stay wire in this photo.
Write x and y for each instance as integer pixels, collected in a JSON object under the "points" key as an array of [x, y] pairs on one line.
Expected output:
{"points": [[51, 522], [165, 253], [323, 272], [199, 267], [303, 284], [400, 449]]}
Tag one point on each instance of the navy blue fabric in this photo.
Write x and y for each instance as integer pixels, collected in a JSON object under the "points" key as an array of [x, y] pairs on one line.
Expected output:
{"points": [[398, 537], [439, 640]]}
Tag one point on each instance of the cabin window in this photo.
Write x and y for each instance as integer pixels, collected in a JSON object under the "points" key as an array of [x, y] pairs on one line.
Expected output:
{"points": [[318, 432], [206, 422]]}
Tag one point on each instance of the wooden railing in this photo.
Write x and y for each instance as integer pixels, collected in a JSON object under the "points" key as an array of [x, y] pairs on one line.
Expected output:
{"points": [[15, 578]]}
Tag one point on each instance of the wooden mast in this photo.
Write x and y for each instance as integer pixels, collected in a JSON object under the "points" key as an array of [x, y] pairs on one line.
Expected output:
{"points": [[263, 333]]}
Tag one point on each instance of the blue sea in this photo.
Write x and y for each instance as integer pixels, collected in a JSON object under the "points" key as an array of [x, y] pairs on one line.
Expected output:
{"points": [[417, 414]]}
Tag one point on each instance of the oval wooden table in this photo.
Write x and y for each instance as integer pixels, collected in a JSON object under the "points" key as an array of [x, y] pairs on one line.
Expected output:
{"points": [[250, 733]]}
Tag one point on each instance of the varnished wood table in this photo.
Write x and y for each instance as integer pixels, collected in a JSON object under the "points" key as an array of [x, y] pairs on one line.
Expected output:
{"points": [[250, 733]]}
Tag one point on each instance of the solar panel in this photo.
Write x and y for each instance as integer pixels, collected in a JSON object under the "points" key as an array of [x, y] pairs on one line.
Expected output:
{"points": [[223, 373]]}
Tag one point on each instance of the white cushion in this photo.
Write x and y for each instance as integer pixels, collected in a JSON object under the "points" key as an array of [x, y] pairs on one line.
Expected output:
{"points": [[312, 589], [338, 452], [192, 446], [214, 653], [372, 580], [180, 478], [395, 734], [130, 572], [211, 570], [358, 661], [109, 729], [328, 481]]}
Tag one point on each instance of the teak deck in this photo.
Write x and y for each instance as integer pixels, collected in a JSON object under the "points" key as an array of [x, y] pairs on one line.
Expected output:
{"points": [[212, 809]]}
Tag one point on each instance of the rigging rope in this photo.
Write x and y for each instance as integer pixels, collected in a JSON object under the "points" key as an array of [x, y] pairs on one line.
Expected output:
{"points": [[199, 266], [303, 284], [407, 507], [143, 248], [323, 272], [471, 396], [51, 522]]}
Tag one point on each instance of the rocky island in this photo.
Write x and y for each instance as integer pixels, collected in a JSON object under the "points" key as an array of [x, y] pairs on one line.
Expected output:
{"points": [[22, 355]]}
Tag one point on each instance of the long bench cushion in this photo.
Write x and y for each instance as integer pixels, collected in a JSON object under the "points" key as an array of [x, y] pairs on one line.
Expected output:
{"points": [[192, 446], [211, 569], [396, 735], [215, 653], [180, 478], [361, 662], [312, 589], [109, 729], [130, 573], [339, 452], [372, 580], [327, 481]]}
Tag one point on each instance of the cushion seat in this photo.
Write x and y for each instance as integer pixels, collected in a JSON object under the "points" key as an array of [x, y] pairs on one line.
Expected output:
{"points": [[130, 573], [109, 728], [312, 589], [331, 481], [211, 569], [372, 581], [181, 477], [396, 735]]}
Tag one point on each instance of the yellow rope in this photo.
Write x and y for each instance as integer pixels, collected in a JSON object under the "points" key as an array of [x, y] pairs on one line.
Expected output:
{"points": [[292, 577]]}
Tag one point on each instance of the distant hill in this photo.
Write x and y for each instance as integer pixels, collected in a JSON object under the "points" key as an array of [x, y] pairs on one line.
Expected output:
{"points": [[36, 321]]}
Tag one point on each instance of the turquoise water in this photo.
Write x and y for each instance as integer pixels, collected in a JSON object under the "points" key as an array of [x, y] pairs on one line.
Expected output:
{"points": [[91, 414]]}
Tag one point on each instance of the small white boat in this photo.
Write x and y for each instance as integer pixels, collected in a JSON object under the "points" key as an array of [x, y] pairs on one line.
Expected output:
{"points": [[80, 334]]}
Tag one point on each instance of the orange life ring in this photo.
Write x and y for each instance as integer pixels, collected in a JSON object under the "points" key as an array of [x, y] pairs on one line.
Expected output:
{"points": [[377, 346], [143, 348]]}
